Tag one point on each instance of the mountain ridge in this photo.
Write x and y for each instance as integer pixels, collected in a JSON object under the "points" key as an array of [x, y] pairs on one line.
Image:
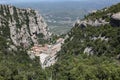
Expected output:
{"points": [[24, 25]]}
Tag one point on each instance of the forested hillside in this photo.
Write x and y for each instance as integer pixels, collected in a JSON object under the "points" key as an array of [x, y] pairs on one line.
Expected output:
{"points": [[16, 65], [19, 30], [91, 52]]}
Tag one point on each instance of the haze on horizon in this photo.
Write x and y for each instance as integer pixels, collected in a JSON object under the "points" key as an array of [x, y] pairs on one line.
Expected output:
{"points": [[16, 1]]}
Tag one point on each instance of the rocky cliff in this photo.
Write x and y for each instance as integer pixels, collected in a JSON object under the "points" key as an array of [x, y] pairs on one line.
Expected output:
{"points": [[23, 27], [20, 29]]}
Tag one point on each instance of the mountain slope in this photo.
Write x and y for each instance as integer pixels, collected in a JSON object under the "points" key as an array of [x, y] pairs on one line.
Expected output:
{"points": [[22, 26], [90, 52], [20, 29], [92, 49]]}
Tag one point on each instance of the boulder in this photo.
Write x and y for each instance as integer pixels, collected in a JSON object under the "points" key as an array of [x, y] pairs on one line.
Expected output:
{"points": [[88, 51], [81, 24], [115, 19]]}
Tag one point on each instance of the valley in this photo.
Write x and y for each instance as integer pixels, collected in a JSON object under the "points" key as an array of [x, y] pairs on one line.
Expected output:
{"points": [[53, 42], [61, 16]]}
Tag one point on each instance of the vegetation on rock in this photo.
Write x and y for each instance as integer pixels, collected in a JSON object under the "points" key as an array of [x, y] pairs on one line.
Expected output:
{"points": [[102, 64], [73, 63]]}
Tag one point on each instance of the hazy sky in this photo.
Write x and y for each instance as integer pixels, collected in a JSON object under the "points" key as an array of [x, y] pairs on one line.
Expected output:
{"points": [[42, 0], [15, 1], [35, 0]]}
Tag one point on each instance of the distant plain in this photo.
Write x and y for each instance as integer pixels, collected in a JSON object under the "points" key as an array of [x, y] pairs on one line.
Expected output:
{"points": [[60, 16]]}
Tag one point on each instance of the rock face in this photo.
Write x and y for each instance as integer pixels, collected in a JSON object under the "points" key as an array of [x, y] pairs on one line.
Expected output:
{"points": [[115, 19], [96, 23], [116, 16], [23, 26]]}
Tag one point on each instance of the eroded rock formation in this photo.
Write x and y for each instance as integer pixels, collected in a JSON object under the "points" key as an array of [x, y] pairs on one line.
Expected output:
{"points": [[22, 26]]}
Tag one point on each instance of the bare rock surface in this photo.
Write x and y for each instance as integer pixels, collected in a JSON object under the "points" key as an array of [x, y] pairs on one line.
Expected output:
{"points": [[22, 25], [115, 19]]}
